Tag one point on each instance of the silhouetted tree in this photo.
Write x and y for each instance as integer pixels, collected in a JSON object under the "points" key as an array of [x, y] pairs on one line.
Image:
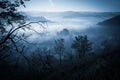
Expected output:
{"points": [[106, 46], [11, 22], [82, 45], [59, 48], [64, 32]]}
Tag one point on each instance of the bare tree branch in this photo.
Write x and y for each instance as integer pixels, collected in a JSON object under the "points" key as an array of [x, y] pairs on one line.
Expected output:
{"points": [[13, 30]]}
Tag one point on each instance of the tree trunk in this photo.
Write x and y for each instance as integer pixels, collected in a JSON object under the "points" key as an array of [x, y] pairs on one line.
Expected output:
{"points": [[60, 59]]}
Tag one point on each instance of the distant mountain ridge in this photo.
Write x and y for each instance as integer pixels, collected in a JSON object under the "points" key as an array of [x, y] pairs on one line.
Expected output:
{"points": [[71, 14], [74, 14], [35, 18]]}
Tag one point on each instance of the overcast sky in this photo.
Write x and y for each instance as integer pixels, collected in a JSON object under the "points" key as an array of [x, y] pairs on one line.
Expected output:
{"points": [[73, 5]]}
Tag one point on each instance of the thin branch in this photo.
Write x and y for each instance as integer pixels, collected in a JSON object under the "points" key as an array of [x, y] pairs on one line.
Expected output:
{"points": [[22, 52], [11, 32], [14, 44]]}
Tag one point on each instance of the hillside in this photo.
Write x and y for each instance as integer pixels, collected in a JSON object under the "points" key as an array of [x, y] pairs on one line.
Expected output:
{"points": [[114, 21]]}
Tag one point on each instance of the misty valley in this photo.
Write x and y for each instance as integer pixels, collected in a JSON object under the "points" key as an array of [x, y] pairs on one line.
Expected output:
{"points": [[67, 45]]}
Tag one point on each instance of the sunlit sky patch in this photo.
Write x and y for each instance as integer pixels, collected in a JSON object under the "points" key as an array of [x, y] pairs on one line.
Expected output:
{"points": [[73, 5]]}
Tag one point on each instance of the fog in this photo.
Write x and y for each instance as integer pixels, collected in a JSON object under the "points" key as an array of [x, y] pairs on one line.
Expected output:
{"points": [[66, 25], [59, 40], [57, 21]]}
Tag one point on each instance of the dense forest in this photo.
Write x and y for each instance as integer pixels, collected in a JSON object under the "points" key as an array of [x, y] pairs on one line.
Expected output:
{"points": [[91, 54]]}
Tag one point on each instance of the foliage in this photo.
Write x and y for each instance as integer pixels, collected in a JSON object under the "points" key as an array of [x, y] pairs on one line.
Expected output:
{"points": [[82, 45], [42, 62], [10, 22], [10, 19]]}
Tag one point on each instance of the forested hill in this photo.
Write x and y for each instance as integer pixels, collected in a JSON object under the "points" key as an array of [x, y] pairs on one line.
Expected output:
{"points": [[114, 21]]}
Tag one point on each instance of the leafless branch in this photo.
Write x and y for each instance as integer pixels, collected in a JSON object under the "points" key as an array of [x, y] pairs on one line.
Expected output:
{"points": [[13, 30]]}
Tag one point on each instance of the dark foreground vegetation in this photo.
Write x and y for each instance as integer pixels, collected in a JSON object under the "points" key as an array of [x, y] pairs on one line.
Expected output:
{"points": [[82, 61]]}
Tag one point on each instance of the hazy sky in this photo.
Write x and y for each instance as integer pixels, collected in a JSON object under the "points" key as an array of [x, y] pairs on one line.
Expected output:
{"points": [[73, 5]]}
